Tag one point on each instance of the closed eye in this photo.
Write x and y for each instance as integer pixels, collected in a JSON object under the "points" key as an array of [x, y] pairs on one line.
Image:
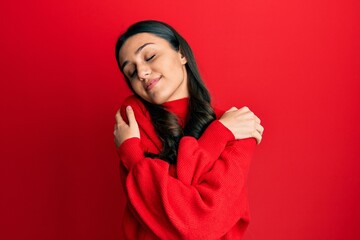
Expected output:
{"points": [[148, 59], [133, 74]]}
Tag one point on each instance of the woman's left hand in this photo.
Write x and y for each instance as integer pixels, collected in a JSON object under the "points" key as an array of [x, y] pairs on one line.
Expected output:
{"points": [[124, 131]]}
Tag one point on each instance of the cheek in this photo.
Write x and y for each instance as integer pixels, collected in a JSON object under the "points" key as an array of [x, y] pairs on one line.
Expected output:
{"points": [[173, 68], [135, 85]]}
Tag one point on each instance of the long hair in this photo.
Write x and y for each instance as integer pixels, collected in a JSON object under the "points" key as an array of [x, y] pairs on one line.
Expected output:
{"points": [[200, 112]]}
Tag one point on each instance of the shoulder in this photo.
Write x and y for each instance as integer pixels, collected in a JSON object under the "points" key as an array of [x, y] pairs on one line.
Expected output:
{"points": [[132, 101], [148, 136], [218, 112], [136, 104]]}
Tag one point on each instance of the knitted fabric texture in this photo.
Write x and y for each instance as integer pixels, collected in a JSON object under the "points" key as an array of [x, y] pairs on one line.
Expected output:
{"points": [[203, 196]]}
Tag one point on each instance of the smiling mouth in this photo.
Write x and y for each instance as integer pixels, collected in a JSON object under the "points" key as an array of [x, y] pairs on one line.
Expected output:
{"points": [[151, 84]]}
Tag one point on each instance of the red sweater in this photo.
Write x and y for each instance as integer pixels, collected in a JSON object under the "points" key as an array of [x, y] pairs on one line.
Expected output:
{"points": [[203, 196]]}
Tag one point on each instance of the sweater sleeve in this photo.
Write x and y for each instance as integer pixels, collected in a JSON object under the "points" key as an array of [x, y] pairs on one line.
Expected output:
{"points": [[212, 141], [211, 144], [208, 192], [173, 209]]}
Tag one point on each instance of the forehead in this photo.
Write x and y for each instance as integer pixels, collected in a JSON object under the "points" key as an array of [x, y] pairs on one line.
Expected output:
{"points": [[133, 43]]}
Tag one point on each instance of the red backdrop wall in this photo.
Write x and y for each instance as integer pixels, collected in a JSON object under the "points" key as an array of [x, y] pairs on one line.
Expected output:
{"points": [[294, 63]]}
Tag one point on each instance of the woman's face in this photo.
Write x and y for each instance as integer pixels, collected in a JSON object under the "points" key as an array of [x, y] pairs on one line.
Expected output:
{"points": [[155, 70]]}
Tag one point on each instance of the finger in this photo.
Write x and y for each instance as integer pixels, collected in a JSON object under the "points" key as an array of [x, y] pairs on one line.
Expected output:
{"points": [[115, 129], [257, 136], [244, 110], [260, 128], [257, 119], [232, 109], [247, 115], [131, 116], [118, 117]]}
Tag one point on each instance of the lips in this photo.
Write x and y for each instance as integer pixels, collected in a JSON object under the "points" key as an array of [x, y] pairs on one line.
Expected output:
{"points": [[151, 83]]}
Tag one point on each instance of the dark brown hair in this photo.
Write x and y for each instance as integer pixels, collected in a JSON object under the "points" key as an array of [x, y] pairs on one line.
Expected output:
{"points": [[165, 123]]}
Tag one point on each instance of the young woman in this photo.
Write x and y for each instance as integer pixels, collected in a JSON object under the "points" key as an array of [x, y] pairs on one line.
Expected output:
{"points": [[183, 163]]}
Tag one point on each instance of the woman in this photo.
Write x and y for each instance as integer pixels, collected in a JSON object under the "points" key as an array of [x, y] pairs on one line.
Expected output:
{"points": [[183, 164]]}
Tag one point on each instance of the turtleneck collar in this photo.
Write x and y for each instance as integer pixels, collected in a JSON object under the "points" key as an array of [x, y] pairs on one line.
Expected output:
{"points": [[179, 107]]}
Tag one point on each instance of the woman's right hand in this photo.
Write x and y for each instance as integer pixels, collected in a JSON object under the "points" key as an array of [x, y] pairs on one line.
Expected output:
{"points": [[243, 123], [124, 131]]}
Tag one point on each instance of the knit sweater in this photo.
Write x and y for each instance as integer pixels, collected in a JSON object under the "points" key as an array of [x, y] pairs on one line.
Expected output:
{"points": [[203, 196]]}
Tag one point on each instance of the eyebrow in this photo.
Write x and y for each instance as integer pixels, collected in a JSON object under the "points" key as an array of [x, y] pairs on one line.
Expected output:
{"points": [[136, 52]]}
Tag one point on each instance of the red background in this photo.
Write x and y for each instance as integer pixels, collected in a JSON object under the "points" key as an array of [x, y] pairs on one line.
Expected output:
{"points": [[294, 63]]}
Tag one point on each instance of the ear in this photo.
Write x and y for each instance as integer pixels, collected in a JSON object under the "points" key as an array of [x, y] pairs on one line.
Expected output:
{"points": [[183, 59]]}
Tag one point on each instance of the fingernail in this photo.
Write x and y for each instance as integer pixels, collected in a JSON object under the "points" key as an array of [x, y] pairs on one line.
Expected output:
{"points": [[128, 108]]}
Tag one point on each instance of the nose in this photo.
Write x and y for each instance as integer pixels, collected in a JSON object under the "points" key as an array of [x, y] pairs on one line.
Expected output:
{"points": [[144, 71]]}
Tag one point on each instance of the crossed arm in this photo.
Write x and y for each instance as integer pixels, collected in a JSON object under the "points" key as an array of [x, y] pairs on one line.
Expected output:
{"points": [[208, 195]]}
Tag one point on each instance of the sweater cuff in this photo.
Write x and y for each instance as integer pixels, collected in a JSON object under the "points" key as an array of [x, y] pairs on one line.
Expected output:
{"points": [[130, 152], [215, 138]]}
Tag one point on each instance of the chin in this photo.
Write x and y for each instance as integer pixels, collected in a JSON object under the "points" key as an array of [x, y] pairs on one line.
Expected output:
{"points": [[157, 100], [156, 97]]}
